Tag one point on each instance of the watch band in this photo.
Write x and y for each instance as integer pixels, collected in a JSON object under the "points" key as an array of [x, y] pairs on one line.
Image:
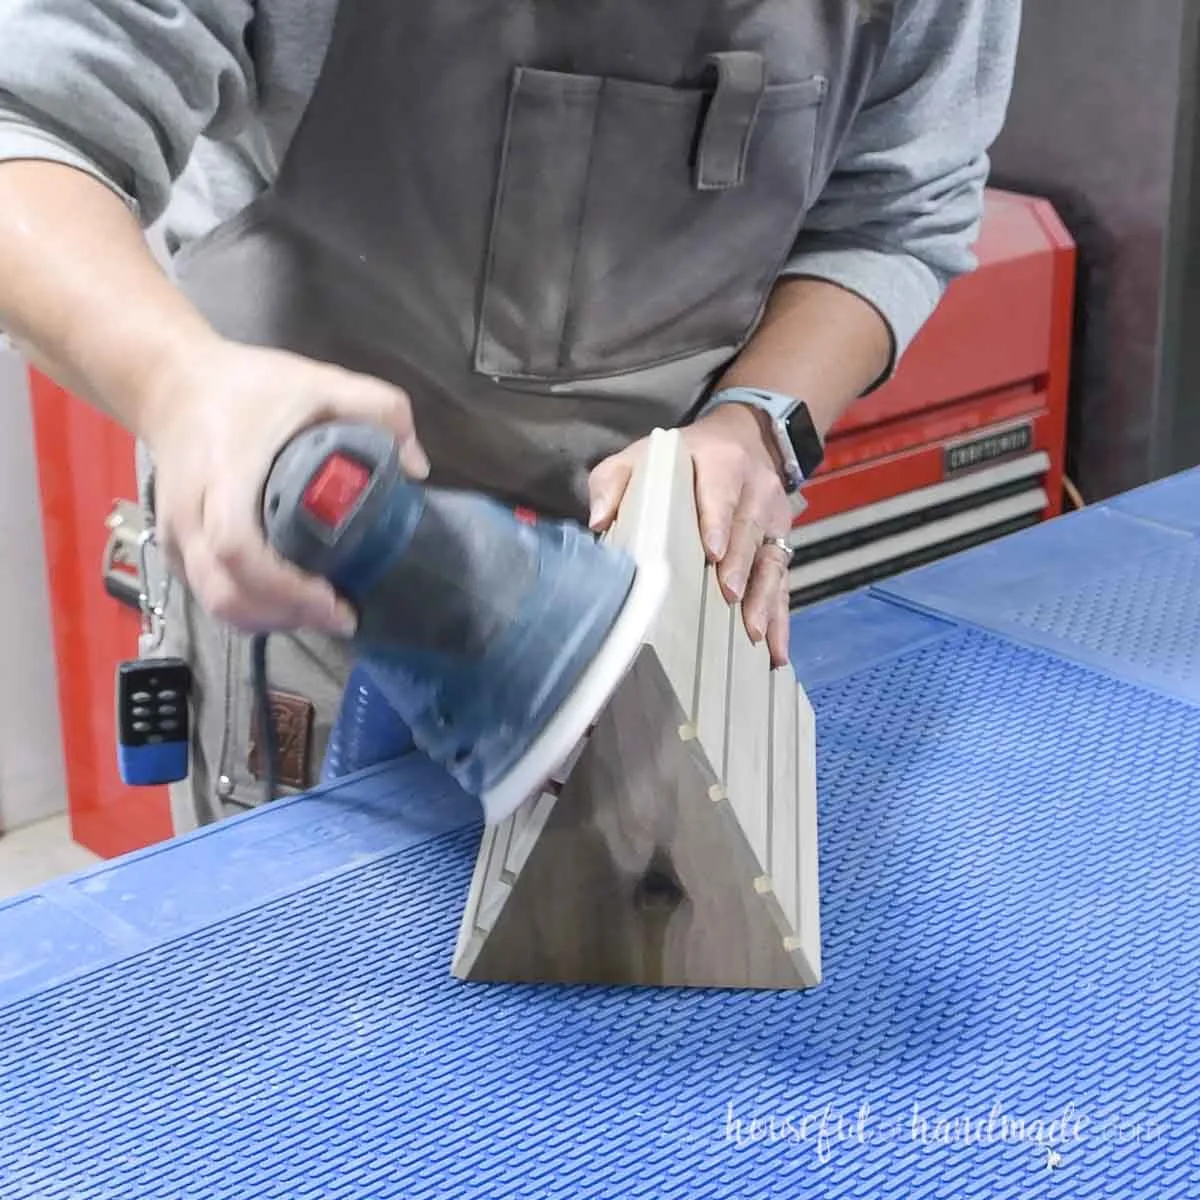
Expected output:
{"points": [[797, 441]]}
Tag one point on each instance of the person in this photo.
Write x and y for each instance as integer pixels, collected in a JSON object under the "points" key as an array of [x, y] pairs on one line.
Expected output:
{"points": [[518, 235]]}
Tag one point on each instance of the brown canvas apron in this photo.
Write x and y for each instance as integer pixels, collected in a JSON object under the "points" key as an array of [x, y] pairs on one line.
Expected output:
{"points": [[551, 223]]}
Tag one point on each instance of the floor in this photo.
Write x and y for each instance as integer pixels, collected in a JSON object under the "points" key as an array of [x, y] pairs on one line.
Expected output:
{"points": [[35, 853]]}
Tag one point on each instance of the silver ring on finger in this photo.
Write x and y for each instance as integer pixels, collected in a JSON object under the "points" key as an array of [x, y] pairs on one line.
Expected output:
{"points": [[780, 544]]}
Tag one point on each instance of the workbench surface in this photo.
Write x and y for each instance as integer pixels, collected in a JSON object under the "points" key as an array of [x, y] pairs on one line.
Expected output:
{"points": [[1009, 767]]}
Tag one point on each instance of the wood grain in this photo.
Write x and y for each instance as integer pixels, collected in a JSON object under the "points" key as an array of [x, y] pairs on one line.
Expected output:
{"points": [[632, 880]]}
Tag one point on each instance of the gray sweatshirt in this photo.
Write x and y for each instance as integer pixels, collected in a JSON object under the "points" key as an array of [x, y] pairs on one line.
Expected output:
{"points": [[166, 103]]}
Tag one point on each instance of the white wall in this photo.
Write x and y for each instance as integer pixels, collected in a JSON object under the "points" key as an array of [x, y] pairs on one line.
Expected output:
{"points": [[32, 782]]}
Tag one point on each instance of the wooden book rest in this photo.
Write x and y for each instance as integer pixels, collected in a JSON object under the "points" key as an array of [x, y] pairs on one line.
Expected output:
{"points": [[680, 846]]}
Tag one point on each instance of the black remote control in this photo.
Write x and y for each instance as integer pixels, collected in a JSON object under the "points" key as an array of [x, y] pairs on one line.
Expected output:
{"points": [[153, 697]]}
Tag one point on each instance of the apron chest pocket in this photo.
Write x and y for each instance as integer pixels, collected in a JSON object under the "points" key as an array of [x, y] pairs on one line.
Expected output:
{"points": [[637, 223]]}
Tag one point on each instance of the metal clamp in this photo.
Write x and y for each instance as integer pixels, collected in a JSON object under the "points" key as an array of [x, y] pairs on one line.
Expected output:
{"points": [[153, 608], [120, 569]]}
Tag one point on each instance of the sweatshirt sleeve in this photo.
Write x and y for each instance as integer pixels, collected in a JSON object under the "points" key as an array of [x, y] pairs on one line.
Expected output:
{"points": [[123, 88], [899, 215]]}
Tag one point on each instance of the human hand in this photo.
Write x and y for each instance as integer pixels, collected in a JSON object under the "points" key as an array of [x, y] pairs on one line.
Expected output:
{"points": [[214, 421], [741, 502]]}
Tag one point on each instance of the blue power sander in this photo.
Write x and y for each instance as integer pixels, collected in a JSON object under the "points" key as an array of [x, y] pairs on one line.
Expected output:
{"points": [[495, 637]]}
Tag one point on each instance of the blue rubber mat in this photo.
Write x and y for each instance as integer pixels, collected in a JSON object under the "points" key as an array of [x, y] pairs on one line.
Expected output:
{"points": [[1117, 592], [135, 903], [1011, 1006], [837, 637], [1174, 502]]}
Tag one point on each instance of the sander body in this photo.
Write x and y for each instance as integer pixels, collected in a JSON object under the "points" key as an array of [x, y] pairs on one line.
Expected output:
{"points": [[495, 637]]}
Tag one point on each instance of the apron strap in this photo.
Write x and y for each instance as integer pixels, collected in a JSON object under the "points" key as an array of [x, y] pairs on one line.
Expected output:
{"points": [[729, 121]]}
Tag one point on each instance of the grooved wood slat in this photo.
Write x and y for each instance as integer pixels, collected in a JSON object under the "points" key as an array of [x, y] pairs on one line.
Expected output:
{"points": [[785, 856], [809, 931], [748, 737], [712, 675]]}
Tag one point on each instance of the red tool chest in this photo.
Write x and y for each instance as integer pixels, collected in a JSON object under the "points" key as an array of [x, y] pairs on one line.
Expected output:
{"points": [[85, 466], [967, 441]]}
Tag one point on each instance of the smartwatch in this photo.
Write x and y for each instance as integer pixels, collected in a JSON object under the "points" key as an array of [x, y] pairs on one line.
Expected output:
{"points": [[795, 436]]}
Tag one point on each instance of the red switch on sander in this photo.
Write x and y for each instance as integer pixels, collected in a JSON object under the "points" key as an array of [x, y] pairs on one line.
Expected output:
{"points": [[335, 489]]}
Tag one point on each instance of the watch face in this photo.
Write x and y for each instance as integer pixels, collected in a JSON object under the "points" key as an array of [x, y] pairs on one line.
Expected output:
{"points": [[806, 442]]}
